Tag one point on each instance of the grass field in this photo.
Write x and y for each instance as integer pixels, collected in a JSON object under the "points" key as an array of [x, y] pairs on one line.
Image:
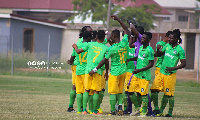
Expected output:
{"points": [[30, 98]]}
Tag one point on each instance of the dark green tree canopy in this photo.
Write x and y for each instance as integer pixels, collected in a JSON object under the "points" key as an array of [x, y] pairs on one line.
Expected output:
{"points": [[98, 9]]}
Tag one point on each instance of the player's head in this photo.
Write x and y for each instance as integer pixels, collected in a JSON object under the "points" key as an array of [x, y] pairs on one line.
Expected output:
{"points": [[85, 28], [167, 36], [140, 29], [174, 37], [101, 35], [94, 36], [115, 36], [87, 36], [146, 37]]}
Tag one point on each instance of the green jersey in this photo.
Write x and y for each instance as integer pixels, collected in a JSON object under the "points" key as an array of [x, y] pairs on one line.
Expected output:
{"points": [[80, 40], [171, 57], [75, 59], [105, 41], [118, 54], [96, 53], [74, 52], [144, 56], [160, 59], [82, 59], [130, 65]]}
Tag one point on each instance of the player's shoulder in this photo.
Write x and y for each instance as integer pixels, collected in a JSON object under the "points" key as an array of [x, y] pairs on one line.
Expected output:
{"points": [[161, 43], [179, 48]]}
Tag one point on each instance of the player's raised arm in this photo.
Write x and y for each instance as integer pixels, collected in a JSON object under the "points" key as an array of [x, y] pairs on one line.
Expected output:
{"points": [[131, 41], [126, 31], [134, 30]]}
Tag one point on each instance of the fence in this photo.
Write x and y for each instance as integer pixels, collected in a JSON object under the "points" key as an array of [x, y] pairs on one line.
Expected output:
{"points": [[43, 60]]}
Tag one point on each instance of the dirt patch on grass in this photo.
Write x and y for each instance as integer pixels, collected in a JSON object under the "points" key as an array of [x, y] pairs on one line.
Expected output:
{"points": [[187, 75]]}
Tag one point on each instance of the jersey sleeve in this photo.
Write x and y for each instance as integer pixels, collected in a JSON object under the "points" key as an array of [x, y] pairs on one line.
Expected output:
{"points": [[110, 52], [182, 54], [151, 54], [164, 48], [73, 52], [105, 41], [86, 46]]}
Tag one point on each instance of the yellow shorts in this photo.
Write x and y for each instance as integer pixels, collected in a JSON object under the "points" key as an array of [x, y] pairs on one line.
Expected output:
{"points": [[93, 82], [128, 76], [134, 85], [143, 86], [73, 67], [103, 84], [80, 84], [116, 83], [158, 83], [169, 84]]}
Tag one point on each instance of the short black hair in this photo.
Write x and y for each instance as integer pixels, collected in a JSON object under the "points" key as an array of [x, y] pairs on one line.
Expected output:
{"points": [[83, 30], [94, 34], [149, 34], [116, 32], [168, 33], [101, 34], [87, 35], [140, 29]]}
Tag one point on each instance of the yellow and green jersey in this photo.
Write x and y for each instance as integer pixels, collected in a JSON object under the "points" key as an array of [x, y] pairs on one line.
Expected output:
{"points": [[130, 65], [171, 57], [144, 56], [80, 40], [81, 59], [96, 53], [160, 59], [118, 54]]}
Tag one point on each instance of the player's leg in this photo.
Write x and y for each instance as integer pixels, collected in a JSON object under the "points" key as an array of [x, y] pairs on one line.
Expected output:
{"points": [[87, 83], [127, 110], [169, 90], [101, 93], [156, 87], [80, 90], [121, 79], [96, 86], [144, 86], [113, 91], [132, 89], [90, 102], [73, 90]]}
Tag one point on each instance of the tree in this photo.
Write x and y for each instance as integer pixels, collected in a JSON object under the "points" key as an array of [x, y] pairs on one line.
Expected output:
{"points": [[98, 10], [141, 16]]}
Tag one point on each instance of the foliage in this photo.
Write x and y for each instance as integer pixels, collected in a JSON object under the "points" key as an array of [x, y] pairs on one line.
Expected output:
{"points": [[97, 8], [141, 16]]}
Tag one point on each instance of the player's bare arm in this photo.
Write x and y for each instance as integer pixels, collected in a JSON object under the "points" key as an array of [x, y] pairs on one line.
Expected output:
{"points": [[131, 59], [131, 41], [76, 49], [107, 68], [71, 60], [133, 29], [98, 66], [126, 31], [150, 65], [182, 65]]}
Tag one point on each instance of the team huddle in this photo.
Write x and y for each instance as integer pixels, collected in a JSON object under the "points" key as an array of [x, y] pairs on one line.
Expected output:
{"points": [[130, 73]]}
